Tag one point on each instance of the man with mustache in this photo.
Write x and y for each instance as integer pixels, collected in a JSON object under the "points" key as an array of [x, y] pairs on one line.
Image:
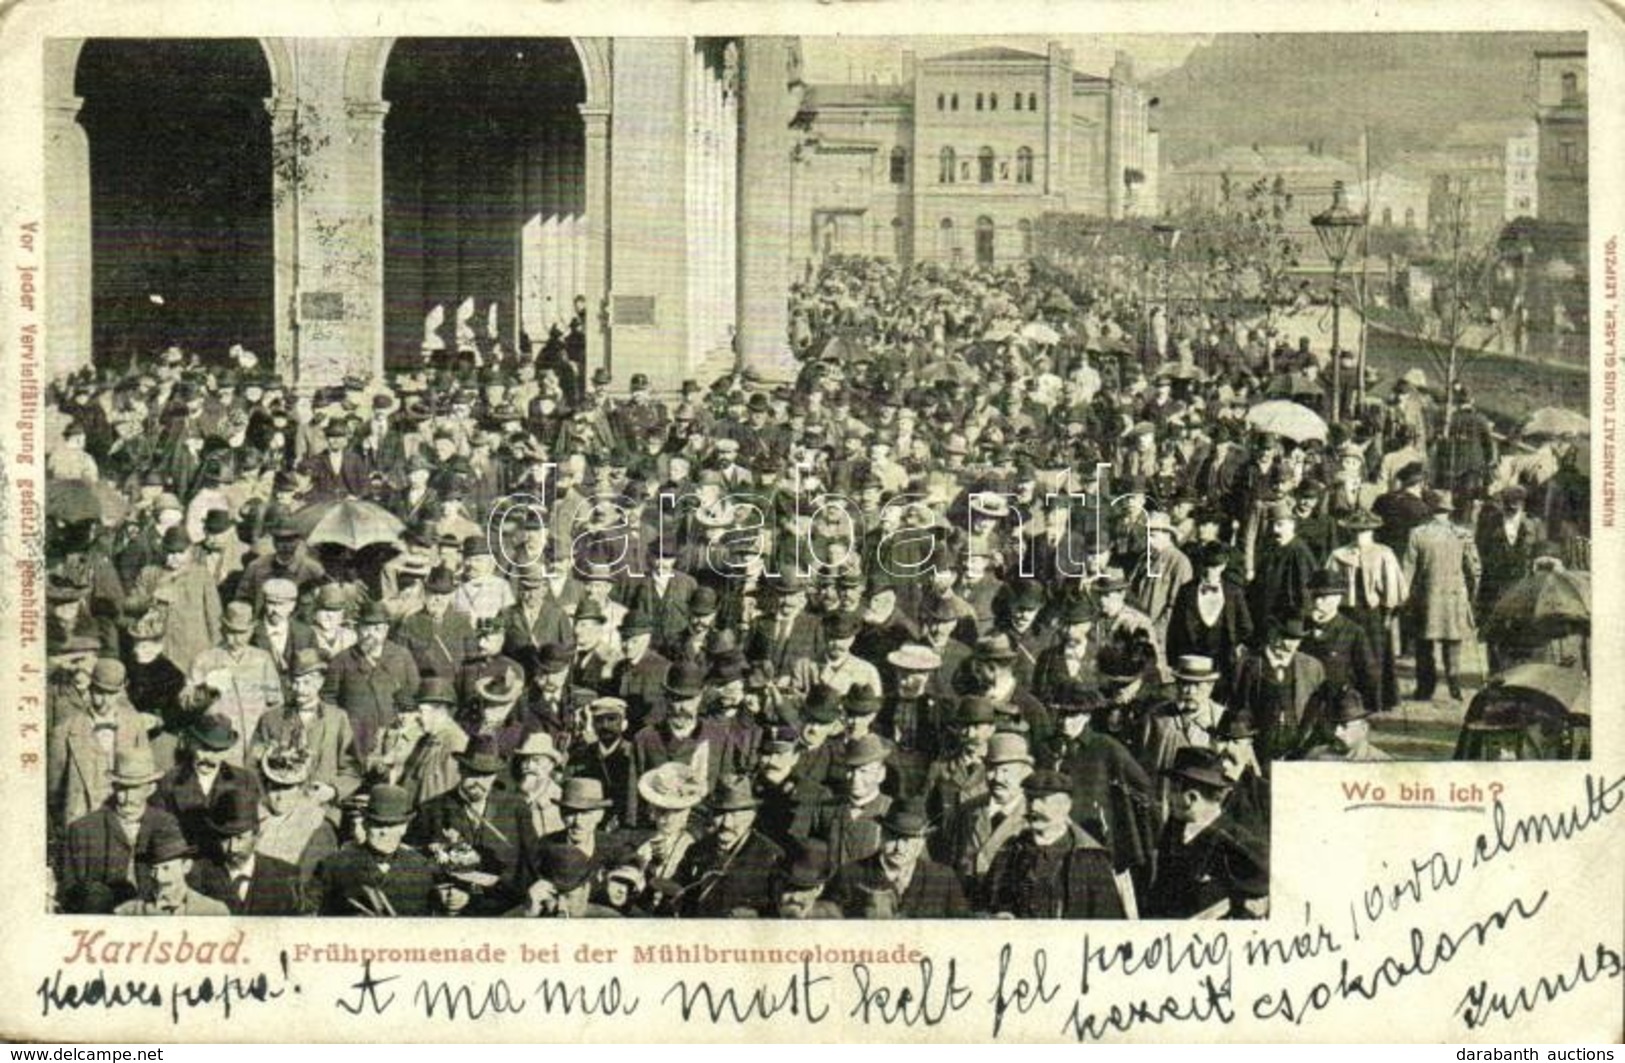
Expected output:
{"points": [[731, 870], [900, 881], [1054, 870]]}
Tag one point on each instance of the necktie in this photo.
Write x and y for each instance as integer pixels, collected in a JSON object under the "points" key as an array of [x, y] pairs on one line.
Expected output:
{"points": [[239, 887]]}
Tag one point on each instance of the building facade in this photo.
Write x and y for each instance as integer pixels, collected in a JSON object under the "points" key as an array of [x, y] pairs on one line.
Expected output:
{"points": [[1561, 117], [401, 195], [957, 161]]}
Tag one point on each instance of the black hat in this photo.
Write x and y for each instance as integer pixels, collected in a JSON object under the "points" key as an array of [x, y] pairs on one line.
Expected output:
{"points": [[1236, 725], [565, 866], [907, 818], [1042, 783], [482, 757], [1289, 628], [685, 680], [1326, 583], [1121, 661], [1348, 706], [1199, 765], [213, 732], [808, 867], [1411, 475]]}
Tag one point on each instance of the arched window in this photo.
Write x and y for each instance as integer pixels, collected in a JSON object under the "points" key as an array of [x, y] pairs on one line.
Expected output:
{"points": [[984, 241], [1032, 101], [992, 101], [1387, 217], [942, 102], [953, 102], [1410, 217], [945, 238], [899, 166], [1018, 101], [984, 166], [1571, 87], [978, 101], [945, 172], [1025, 228], [1024, 166]]}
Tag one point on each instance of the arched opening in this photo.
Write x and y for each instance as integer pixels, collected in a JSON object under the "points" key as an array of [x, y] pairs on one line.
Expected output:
{"points": [[484, 193], [899, 166], [180, 196], [1024, 166], [1025, 228], [945, 238], [899, 240], [984, 241], [984, 166], [946, 166]]}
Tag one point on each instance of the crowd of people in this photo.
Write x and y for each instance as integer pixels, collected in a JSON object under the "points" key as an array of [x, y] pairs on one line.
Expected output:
{"points": [[947, 626]]}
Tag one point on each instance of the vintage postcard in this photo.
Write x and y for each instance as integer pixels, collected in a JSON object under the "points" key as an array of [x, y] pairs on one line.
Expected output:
{"points": [[1124, 496]]}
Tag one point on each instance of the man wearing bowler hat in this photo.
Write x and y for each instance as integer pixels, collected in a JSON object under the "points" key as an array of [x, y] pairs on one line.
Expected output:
{"points": [[314, 724], [802, 881], [203, 775], [1349, 720], [372, 679], [480, 818], [86, 739], [162, 866], [378, 875], [97, 851], [1340, 644], [982, 826], [1442, 567], [900, 881], [1055, 869], [431, 742], [638, 677], [233, 872], [246, 676], [731, 870], [1276, 685], [584, 807], [436, 635], [792, 805], [854, 823], [1206, 866]]}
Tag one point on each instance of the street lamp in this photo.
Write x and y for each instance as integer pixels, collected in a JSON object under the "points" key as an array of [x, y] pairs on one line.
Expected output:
{"points": [[1168, 237], [1336, 227]]}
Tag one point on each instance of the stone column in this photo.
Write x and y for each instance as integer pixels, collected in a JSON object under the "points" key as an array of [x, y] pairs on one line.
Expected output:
{"points": [[769, 103], [67, 240], [600, 345], [284, 235], [366, 159]]}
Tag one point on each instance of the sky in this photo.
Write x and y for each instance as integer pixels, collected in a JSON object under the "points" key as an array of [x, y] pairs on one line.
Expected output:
{"points": [[841, 59]]}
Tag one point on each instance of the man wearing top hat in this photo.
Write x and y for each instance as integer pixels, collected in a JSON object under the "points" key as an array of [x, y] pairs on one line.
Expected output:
{"points": [[246, 677], [378, 875], [162, 865], [234, 872], [311, 722], [1054, 869], [1207, 867], [981, 826], [96, 869], [477, 826], [900, 881], [371, 679], [1441, 565], [437, 635], [732, 869], [205, 773]]}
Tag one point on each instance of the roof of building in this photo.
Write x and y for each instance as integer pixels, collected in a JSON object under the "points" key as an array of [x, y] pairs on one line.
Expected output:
{"points": [[991, 52], [817, 96]]}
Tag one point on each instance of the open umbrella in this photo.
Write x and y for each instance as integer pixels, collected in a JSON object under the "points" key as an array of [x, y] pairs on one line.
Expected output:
{"points": [[1039, 332], [1549, 603], [349, 522], [1530, 712], [1556, 421], [1287, 419]]}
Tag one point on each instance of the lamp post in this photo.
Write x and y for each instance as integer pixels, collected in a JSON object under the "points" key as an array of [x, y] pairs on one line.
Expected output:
{"points": [[1168, 237], [1336, 227]]}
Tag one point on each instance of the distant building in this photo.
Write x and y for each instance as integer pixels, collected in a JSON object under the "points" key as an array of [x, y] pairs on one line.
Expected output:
{"points": [[958, 161], [1561, 117]]}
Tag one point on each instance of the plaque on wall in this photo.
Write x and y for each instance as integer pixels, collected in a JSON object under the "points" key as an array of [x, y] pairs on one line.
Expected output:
{"points": [[634, 310], [321, 306]]}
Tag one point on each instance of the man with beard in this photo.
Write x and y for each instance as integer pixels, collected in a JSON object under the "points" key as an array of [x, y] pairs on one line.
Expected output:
{"points": [[667, 794], [729, 871], [854, 824], [289, 559], [1206, 866], [235, 873], [802, 881], [1070, 658], [312, 723], [584, 806], [538, 766], [370, 679], [475, 827], [378, 875], [608, 757], [437, 635], [983, 825], [939, 620], [836, 666], [639, 676], [885, 629], [98, 849], [1054, 870], [1277, 686], [279, 633], [690, 644], [151, 679], [1248, 802], [563, 887], [911, 719], [900, 881], [204, 776], [792, 806]]}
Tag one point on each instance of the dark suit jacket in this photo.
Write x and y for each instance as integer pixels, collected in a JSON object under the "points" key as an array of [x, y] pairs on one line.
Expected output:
{"points": [[93, 876], [502, 840], [1084, 887], [180, 794], [342, 882], [371, 693], [273, 889], [642, 685], [1219, 868], [716, 884], [327, 485], [933, 893], [1233, 630]]}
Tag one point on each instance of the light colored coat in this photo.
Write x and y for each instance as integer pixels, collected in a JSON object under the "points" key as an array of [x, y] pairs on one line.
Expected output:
{"points": [[1442, 567]]}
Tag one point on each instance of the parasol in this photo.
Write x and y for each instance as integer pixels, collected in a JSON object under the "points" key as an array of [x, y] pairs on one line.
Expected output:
{"points": [[349, 523], [1039, 332], [1556, 421], [1288, 419], [1548, 603]]}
